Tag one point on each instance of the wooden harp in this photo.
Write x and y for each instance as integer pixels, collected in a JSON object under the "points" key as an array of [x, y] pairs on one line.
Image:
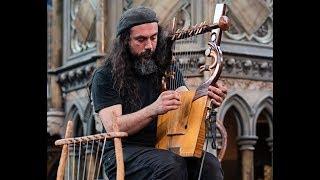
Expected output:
{"points": [[183, 131]]}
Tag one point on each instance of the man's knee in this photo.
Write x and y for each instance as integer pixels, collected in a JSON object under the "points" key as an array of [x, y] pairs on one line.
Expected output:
{"points": [[172, 166], [213, 166], [212, 161], [177, 162]]}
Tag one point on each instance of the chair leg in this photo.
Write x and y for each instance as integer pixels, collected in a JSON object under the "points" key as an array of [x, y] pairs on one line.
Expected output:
{"points": [[118, 151], [64, 153], [119, 158]]}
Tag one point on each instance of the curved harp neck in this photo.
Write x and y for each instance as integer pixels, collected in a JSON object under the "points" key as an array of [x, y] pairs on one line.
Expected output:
{"points": [[220, 23], [214, 51]]}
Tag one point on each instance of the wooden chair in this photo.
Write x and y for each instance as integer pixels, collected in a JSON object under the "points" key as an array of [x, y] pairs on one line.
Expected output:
{"points": [[68, 145], [90, 168]]}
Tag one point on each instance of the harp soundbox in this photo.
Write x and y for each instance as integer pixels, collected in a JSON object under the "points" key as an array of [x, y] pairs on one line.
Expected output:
{"points": [[183, 130]]}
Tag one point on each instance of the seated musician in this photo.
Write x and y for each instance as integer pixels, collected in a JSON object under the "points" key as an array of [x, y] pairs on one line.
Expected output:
{"points": [[130, 84]]}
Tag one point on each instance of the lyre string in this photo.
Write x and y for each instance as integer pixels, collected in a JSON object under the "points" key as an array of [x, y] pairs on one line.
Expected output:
{"points": [[85, 161], [68, 162], [95, 161], [74, 160], [92, 144], [173, 75], [173, 58], [186, 53], [104, 143], [79, 160]]}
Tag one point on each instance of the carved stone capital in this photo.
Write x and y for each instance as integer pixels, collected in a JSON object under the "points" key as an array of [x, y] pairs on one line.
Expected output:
{"points": [[76, 78], [244, 68], [55, 119], [247, 142]]}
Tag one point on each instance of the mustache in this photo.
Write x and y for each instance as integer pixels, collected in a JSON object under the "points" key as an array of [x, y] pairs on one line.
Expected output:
{"points": [[146, 54]]}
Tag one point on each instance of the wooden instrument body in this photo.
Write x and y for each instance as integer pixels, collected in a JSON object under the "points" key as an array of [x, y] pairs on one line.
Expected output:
{"points": [[183, 130]]}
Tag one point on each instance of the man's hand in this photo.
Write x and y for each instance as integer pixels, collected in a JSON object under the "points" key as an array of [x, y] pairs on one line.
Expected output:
{"points": [[217, 93], [167, 100]]}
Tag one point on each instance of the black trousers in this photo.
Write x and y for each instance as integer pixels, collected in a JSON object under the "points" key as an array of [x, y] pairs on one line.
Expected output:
{"points": [[147, 163]]}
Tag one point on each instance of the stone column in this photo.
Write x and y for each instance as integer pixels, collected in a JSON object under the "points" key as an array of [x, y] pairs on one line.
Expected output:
{"points": [[55, 115], [100, 31], [246, 144], [112, 13], [270, 144]]}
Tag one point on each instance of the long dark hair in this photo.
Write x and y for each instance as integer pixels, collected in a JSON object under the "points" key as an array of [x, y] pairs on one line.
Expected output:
{"points": [[125, 79]]}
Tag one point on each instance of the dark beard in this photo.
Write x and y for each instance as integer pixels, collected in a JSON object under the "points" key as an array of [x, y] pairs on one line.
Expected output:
{"points": [[144, 64]]}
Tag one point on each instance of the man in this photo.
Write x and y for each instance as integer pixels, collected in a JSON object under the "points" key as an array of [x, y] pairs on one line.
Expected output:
{"points": [[129, 84]]}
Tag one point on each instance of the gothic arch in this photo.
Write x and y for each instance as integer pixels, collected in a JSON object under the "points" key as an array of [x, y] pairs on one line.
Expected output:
{"points": [[264, 104], [77, 104], [243, 112], [89, 119], [264, 131], [74, 114]]}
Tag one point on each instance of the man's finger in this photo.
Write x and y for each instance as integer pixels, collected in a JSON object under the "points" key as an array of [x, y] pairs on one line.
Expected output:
{"points": [[172, 96], [215, 97], [221, 87], [172, 102], [169, 108], [215, 90], [215, 103]]}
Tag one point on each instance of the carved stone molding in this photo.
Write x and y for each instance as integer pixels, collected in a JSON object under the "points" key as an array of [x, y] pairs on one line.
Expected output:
{"points": [[250, 73], [245, 84], [248, 68], [76, 78]]}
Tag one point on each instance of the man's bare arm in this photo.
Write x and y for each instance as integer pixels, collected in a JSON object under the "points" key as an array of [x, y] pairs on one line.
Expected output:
{"points": [[132, 123]]}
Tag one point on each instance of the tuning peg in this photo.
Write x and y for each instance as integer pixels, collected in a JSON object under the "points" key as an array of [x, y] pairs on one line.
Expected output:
{"points": [[224, 23]]}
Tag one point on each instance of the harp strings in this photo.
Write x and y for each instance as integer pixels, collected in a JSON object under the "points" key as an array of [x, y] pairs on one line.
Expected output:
{"points": [[184, 58], [78, 167]]}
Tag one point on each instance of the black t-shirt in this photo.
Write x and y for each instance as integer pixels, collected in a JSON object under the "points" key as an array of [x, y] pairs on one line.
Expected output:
{"points": [[104, 94]]}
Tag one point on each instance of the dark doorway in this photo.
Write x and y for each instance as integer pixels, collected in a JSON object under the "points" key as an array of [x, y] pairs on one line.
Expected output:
{"points": [[231, 164], [262, 154]]}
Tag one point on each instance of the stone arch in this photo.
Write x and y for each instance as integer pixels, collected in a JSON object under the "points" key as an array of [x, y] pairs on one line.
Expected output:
{"points": [[89, 119], [265, 104], [78, 105], [235, 112], [243, 111], [74, 114], [262, 125]]}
